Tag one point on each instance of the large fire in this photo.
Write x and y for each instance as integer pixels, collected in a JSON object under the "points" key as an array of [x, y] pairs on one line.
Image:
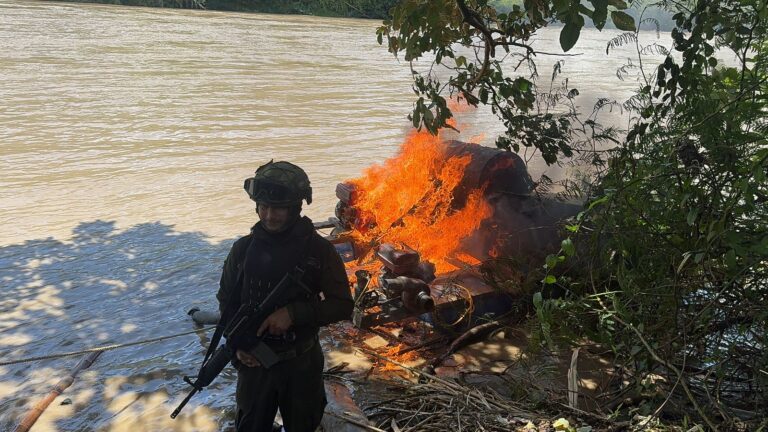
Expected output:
{"points": [[409, 200]]}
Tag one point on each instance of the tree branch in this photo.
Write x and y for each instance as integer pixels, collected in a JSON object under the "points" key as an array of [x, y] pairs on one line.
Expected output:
{"points": [[473, 19]]}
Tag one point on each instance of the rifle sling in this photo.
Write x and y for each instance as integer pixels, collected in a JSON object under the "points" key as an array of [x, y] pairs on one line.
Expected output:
{"points": [[234, 300]]}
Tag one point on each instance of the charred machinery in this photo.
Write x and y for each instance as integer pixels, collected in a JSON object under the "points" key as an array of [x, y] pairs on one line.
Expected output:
{"points": [[521, 224], [400, 291]]}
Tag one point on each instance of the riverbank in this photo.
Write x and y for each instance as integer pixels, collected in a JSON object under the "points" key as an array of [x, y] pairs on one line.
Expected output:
{"points": [[497, 383], [370, 9], [373, 9]]}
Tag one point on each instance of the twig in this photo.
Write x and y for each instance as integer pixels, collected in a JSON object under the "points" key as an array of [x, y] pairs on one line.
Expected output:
{"points": [[421, 345], [573, 380]]}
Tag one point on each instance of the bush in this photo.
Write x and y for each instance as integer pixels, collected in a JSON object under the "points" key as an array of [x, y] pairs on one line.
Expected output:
{"points": [[675, 242]]}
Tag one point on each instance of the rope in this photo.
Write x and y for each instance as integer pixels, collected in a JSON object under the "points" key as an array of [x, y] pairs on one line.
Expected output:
{"points": [[450, 289], [102, 348]]}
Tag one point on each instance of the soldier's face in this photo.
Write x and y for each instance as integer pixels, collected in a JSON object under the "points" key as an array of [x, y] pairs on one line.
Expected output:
{"points": [[273, 218]]}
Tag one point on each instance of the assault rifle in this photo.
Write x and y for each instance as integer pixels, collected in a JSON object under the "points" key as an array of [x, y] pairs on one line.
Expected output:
{"points": [[240, 333]]}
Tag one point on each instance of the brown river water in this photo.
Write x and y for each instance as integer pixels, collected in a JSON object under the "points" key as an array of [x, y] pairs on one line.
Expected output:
{"points": [[125, 135]]}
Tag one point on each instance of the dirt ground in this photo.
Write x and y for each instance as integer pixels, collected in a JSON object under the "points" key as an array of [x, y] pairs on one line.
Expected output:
{"points": [[501, 362]]}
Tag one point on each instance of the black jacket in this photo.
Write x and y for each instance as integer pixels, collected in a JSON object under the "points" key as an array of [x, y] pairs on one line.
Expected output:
{"points": [[265, 257]]}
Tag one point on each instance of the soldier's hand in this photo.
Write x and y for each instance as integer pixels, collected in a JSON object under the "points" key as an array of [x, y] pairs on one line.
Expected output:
{"points": [[277, 323], [247, 359]]}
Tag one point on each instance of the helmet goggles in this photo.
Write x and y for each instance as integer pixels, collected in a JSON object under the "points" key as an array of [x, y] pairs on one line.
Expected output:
{"points": [[272, 193]]}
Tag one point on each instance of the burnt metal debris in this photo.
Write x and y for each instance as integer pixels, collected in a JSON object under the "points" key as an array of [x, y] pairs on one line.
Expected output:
{"points": [[524, 224], [402, 290]]}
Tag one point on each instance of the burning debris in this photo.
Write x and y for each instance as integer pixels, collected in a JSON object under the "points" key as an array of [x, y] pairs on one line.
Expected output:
{"points": [[429, 217], [402, 289], [432, 197]]}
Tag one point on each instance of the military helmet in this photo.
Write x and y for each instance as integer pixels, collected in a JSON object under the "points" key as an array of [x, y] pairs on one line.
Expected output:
{"points": [[280, 184]]}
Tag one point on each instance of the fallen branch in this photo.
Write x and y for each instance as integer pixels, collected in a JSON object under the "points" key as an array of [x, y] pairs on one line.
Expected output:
{"points": [[465, 339], [58, 389]]}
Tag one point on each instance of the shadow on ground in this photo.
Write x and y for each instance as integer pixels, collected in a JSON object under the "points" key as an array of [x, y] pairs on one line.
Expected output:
{"points": [[107, 286]]}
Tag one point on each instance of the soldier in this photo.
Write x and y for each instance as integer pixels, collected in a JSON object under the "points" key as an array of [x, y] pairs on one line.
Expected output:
{"points": [[281, 240]]}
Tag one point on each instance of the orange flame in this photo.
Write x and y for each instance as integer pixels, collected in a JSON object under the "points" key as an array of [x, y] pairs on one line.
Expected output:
{"points": [[408, 200], [394, 354]]}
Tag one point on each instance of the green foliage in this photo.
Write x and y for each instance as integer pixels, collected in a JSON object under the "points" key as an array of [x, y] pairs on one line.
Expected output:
{"points": [[346, 8], [668, 264], [675, 241], [442, 31]]}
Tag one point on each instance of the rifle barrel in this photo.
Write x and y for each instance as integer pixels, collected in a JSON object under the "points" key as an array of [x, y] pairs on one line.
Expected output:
{"points": [[184, 402]]}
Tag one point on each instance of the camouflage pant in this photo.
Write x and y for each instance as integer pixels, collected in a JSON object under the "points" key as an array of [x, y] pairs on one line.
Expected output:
{"points": [[294, 385]]}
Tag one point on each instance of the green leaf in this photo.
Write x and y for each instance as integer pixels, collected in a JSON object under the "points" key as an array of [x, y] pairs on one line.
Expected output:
{"points": [[550, 261], [600, 15], [618, 4], [561, 6], [759, 173], [569, 35], [505, 90], [549, 280], [568, 248], [523, 84], [691, 218], [623, 21], [595, 203], [483, 95], [537, 301]]}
